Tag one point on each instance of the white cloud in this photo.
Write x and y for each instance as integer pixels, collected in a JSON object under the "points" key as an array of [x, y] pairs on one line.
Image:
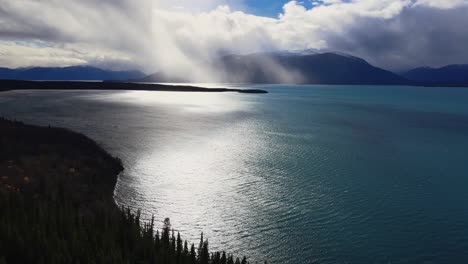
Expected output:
{"points": [[82, 29], [35, 55], [20, 54], [180, 35]]}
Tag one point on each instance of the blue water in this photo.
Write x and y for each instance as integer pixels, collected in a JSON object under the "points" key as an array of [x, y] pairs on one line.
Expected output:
{"points": [[304, 174]]}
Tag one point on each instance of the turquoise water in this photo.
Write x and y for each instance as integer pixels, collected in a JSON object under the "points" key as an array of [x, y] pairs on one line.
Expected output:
{"points": [[304, 174]]}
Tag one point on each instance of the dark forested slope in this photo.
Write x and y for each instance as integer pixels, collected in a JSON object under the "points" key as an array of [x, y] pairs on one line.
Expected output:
{"points": [[56, 206]]}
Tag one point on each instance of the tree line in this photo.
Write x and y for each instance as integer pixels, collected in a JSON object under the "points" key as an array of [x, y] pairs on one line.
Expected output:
{"points": [[56, 206], [46, 230]]}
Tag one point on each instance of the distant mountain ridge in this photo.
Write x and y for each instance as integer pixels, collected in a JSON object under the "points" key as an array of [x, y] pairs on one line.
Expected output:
{"points": [[451, 74], [84, 73], [323, 68], [299, 67], [162, 77], [274, 67]]}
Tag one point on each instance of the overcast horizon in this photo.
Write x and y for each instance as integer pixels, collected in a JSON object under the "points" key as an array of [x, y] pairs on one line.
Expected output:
{"points": [[179, 35]]}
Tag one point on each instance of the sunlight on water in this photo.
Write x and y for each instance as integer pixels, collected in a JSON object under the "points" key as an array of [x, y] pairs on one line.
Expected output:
{"points": [[192, 170], [330, 174], [207, 85], [187, 101]]}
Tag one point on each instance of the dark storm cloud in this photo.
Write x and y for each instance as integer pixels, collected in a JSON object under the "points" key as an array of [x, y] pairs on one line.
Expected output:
{"points": [[421, 36]]}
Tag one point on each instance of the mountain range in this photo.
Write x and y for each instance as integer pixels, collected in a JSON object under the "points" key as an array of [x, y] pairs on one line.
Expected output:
{"points": [[82, 73], [322, 68], [451, 74], [298, 67]]}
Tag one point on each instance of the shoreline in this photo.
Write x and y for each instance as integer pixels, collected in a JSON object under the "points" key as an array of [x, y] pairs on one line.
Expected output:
{"points": [[10, 85], [32, 153], [57, 205]]}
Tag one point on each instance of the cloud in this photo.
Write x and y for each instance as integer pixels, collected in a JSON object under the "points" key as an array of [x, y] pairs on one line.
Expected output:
{"points": [[11, 51], [419, 35], [392, 34], [86, 29], [444, 4], [181, 35]]}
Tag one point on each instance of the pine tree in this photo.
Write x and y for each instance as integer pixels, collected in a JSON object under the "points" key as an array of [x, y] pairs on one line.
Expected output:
{"points": [[230, 259], [193, 255], [173, 243], [151, 227], [216, 258], [156, 240], [200, 248], [186, 250], [244, 260], [179, 248], [205, 253], [223, 258], [166, 233]]}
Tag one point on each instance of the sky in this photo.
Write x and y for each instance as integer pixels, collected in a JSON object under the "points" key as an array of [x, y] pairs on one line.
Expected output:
{"points": [[181, 35], [270, 8]]}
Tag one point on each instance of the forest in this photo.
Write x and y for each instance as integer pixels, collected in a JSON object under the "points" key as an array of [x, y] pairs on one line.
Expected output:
{"points": [[56, 206]]}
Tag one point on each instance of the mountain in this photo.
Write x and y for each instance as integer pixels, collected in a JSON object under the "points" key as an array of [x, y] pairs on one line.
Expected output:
{"points": [[451, 74], [67, 73], [6, 73], [162, 77], [304, 67], [322, 68]]}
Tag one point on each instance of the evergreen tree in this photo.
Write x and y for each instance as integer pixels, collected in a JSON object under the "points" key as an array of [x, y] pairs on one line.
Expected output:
{"points": [[205, 254], [216, 258], [156, 240], [186, 250], [200, 248], [230, 259], [179, 248], [244, 260], [193, 255], [185, 253], [223, 258], [173, 243], [165, 233]]}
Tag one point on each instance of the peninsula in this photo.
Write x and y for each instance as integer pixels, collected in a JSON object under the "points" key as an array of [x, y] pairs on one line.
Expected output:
{"points": [[6, 85]]}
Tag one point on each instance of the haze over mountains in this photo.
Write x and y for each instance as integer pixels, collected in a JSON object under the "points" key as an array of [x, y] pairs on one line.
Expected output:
{"points": [[315, 67], [298, 67], [324, 68]]}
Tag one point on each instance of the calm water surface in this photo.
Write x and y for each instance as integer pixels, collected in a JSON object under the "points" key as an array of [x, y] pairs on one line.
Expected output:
{"points": [[304, 174]]}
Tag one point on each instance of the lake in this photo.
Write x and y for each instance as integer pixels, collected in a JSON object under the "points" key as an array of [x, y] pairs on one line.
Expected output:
{"points": [[304, 174]]}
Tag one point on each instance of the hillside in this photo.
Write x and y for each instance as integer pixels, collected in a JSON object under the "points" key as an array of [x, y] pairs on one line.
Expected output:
{"points": [[56, 206]]}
